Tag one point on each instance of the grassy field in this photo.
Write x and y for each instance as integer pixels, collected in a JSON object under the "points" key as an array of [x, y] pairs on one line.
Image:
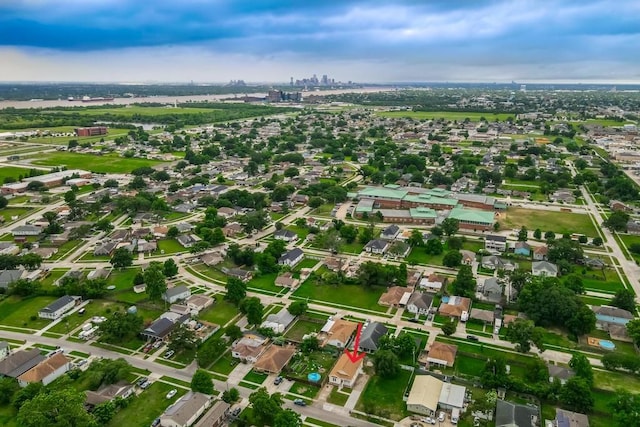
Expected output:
{"points": [[346, 295], [15, 311], [98, 164], [170, 246], [8, 213], [224, 365], [558, 222], [143, 409], [447, 115], [12, 172], [220, 312], [383, 397], [301, 328], [265, 282], [134, 111], [94, 308], [64, 140]]}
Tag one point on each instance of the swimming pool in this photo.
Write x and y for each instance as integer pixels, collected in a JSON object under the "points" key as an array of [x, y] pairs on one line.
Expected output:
{"points": [[313, 377], [607, 345]]}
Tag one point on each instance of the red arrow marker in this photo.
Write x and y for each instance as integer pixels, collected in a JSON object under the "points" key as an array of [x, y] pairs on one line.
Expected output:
{"points": [[355, 357]]}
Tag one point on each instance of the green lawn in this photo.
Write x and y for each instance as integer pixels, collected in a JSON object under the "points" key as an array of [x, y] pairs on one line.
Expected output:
{"points": [[224, 365], [94, 308], [383, 397], [65, 249], [338, 398], [98, 164], [123, 279], [53, 275], [255, 377], [307, 263], [146, 407], [301, 328], [220, 312], [345, 295], [12, 172], [15, 311], [170, 246], [210, 272], [8, 213], [419, 256], [318, 361], [447, 115], [265, 282], [558, 222], [304, 389]]}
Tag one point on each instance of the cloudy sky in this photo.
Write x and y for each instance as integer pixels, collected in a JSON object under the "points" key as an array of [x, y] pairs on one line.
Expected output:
{"points": [[364, 41]]}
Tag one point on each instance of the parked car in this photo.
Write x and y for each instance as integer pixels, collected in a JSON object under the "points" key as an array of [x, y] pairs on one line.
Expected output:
{"points": [[155, 422], [441, 416], [236, 412], [472, 338], [169, 353], [428, 420], [300, 402], [145, 385], [81, 311], [142, 381], [158, 344], [172, 393], [277, 381]]}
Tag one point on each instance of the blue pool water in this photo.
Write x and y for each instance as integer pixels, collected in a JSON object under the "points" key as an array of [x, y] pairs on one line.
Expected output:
{"points": [[445, 299], [313, 377], [607, 345]]}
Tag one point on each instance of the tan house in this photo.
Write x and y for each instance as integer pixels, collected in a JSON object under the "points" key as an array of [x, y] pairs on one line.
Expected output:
{"points": [[46, 371], [197, 303], [274, 359], [442, 354], [337, 333], [215, 416], [286, 280], [456, 306], [393, 297], [345, 372], [186, 410]]}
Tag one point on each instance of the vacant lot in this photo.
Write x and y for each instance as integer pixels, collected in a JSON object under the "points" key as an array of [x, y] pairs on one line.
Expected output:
{"points": [[98, 164], [11, 172], [18, 312], [9, 213], [558, 222], [301, 328], [220, 312], [143, 409], [345, 295], [383, 397]]}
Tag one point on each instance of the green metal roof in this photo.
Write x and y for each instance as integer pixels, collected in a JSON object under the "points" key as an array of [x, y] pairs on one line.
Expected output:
{"points": [[422, 212], [426, 198], [472, 215], [440, 192], [385, 193]]}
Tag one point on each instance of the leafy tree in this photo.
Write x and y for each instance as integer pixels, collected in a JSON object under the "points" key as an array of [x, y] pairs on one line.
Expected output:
{"points": [[597, 241], [349, 233], [628, 362], [495, 374], [25, 394], [56, 407], [120, 327], [448, 328], [138, 279], [523, 333], [519, 278], [254, 310], [210, 350], [537, 234], [465, 283], [121, 258], [450, 226], [315, 202], [574, 283], [416, 239], [155, 281], [298, 308], [104, 412], [549, 236], [236, 290], [576, 394], [287, 418], [31, 261], [182, 337], [633, 329], [24, 287], [36, 186], [104, 225], [173, 232], [625, 408], [617, 221], [582, 367], [201, 382], [8, 387], [564, 249], [386, 363], [433, 247], [523, 234], [309, 345], [137, 183], [454, 243], [170, 268], [265, 407], [233, 332], [452, 259], [366, 235], [625, 299], [230, 396]]}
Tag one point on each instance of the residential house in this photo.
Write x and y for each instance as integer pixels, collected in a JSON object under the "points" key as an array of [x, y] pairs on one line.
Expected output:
{"points": [[19, 362], [279, 322], [617, 205], [468, 257], [121, 389], [98, 273], [9, 248], [286, 235], [198, 303], [232, 229], [211, 258], [564, 196], [345, 372], [428, 393], [160, 231], [184, 227], [57, 308], [485, 316], [560, 373], [413, 278], [286, 280], [184, 208], [391, 232], [566, 418], [105, 249], [399, 249], [494, 242], [455, 306], [510, 414], [493, 262], [44, 253], [244, 275], [395, 296], [5, 349], [186, 240], [522, 248], [291, 258], [274, 359], [633, 226], [491, 290], [186, 410], [433, 283], [160, 329], [226, 212], [607, 316], [419, 303], [370, 336], [544, 269], [377, 246], [215, 416], [441, 354], [540, 253], [26, 230], [337, 333], [249, 347], [46, 371], [7, 277], [121, 235], [176, 293]]}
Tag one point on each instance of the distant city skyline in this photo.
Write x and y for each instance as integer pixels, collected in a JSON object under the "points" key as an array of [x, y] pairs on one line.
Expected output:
{"points": [[363, 41]]}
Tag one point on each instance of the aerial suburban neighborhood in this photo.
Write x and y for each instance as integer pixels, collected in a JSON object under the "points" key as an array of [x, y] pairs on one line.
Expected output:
{"points": [[328, 258]]}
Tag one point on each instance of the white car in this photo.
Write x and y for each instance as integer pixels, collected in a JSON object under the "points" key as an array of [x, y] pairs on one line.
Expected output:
{"points": [[171, 393], [441, 416], [428, 420]]}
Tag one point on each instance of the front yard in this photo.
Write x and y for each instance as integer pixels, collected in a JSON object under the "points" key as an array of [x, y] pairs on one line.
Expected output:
{"points": [[343, 295], [220, 312], [143, 409], [384, 397]]}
